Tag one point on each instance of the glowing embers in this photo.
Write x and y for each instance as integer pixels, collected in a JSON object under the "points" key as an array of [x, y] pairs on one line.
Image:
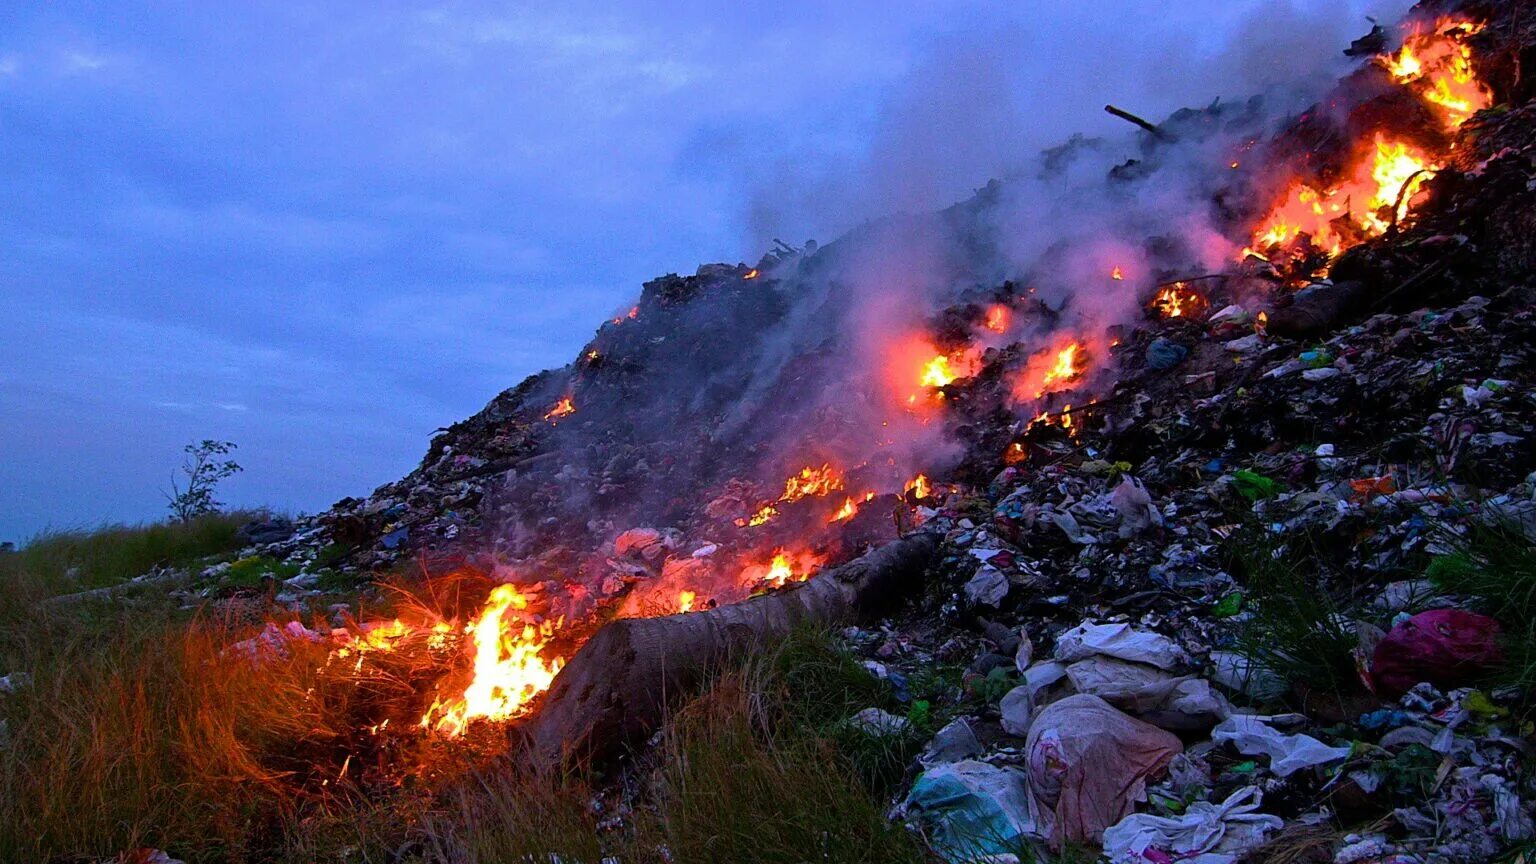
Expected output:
{"points": [[1179, 301], [1437, 64], [782, 569], [508, 669], [564, 408], [1383, 182]]}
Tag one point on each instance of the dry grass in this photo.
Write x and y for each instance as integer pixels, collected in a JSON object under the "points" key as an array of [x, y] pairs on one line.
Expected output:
{"points": [[141, 729]]}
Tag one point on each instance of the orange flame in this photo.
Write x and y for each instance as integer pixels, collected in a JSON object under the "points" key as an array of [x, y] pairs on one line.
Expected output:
{"points": [[1178, 300], [1438, 65], [685, 601], [751, 274], [1065, 368], [998, 318], [850, 508], [936, 372], [508, 670], [764, 515], [564, 408], [784, 568], [1117, 274], [918, 487], [812, 481], [1365, 202]]}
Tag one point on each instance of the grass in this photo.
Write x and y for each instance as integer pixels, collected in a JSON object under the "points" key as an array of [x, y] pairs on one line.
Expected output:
{"points": [[141, 729], [757, 769], [1295, 628], [56, 562], [1495, 567]]}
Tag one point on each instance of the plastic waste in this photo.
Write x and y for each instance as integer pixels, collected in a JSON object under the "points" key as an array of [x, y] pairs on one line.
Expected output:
{"points": [[972, 809], [1445, 647], [1120, 641], [1088, 766], [1287, 753], [954, 742], [1206, 833]]}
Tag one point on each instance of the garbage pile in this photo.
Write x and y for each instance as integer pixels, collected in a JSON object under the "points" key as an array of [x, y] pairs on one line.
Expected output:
{"points": [[1182, 588]]}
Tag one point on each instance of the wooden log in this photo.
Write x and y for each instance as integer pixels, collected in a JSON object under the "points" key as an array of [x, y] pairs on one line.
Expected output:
{"points": [[619, 686]]}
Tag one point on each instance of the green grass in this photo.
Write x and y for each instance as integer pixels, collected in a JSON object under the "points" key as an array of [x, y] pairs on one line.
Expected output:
{"points": [[1495, 567], [59, 561], [1295, 629]]}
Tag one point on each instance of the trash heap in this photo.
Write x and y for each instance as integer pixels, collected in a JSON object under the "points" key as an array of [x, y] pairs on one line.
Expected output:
{"points": [[1188, 612]]}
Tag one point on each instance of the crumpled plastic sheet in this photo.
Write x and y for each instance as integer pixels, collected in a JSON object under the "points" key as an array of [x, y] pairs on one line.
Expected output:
{"points": [[1120, 641], [971, 810], [1287, 753], [1206, 833]]}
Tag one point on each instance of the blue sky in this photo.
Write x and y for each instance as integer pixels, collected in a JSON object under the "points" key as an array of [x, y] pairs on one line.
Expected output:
{"points": [[323, 230]]}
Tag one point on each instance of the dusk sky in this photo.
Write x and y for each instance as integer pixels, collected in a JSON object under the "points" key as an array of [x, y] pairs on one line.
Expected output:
{"points": [[323, 230]]}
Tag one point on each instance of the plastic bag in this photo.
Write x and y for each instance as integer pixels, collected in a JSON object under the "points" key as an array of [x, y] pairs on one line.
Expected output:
{"points": [[1206, 833], [1089, 764]]}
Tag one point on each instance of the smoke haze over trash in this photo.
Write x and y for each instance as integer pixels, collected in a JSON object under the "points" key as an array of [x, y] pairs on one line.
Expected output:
{"points": [[219, 230]]}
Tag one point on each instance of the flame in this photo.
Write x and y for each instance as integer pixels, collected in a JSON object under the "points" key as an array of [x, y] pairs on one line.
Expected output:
{"points": [[812, 481], [508, 669], [850, 508], [784, 568], [751, 274], [998, 318], [1015, 454], [1117, 274], [1365, 202], [764, 515], [593, 355], [1065, 368], [1178, 301], [685, 600], [1438, 66], [918, 487], [936, 372], [564, 408]]}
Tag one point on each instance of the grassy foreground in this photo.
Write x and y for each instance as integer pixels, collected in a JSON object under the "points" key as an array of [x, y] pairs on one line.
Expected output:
{"points": [[139, 729]]}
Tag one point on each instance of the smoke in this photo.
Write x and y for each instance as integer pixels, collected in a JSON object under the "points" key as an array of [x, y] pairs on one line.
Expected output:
{"points": [[980, 100], [691, 414]]}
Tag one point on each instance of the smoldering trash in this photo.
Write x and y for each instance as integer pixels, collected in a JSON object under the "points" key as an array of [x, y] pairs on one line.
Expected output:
{"points": [[1200, 443]]}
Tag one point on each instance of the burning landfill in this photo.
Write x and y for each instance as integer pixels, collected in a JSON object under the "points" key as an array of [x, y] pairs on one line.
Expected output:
{"points": [[1086, 416]]}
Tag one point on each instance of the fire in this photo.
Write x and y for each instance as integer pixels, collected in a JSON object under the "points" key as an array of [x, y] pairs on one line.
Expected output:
{"points": [[1356, 209], [936, 372], [998, 318], [1178, 301], [508, 670], [685, 601], [764, 515], [784, 568], [812, 481], [1438, 65], [1117, 274], [809, 482], [918, 487], [751, 274], [850, 508], [1065, 368], [564, 408]]}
